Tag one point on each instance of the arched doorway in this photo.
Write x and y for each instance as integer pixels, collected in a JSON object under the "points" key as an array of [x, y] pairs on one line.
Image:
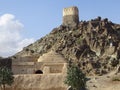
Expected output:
{"points": [[38, 72]]}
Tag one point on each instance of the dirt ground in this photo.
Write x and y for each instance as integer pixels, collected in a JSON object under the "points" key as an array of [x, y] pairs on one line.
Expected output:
{"points": [[104, 82]]}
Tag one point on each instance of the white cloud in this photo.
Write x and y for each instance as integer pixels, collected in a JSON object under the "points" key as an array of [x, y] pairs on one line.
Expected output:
{"points": [[11, 40]]}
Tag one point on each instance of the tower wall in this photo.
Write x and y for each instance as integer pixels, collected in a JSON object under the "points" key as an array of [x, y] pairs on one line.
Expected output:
{"points": [[70, 16]]}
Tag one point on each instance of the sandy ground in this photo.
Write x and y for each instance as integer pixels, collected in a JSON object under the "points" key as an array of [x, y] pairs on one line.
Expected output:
{"points": [[103, 82]]}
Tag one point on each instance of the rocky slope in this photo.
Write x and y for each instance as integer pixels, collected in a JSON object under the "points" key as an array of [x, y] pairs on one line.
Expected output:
{"points": [[94, 45]]}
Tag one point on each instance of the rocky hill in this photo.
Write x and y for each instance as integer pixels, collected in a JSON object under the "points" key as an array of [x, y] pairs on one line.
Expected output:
{"points": [[94, 45]]}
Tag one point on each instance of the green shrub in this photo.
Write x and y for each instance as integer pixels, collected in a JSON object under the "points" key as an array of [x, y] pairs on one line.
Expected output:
{"points": [[75, 78], [6, 77], [80, 39]]}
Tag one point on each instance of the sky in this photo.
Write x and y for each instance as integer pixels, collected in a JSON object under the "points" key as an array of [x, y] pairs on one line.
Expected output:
{"points": [[24, 21]]}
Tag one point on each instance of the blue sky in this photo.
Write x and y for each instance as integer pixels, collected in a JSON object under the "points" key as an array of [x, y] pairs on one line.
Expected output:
{"points": [[37, 18]]}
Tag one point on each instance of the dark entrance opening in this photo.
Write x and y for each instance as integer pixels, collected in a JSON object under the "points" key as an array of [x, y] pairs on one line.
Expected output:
{"points": [[38, 72]]}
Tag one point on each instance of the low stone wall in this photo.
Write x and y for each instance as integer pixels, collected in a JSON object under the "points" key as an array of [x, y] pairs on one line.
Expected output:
{"points": [[38, 82]]}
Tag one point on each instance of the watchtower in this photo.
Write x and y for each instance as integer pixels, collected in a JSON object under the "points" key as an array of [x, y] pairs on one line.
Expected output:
{"points": [[70, 16]]}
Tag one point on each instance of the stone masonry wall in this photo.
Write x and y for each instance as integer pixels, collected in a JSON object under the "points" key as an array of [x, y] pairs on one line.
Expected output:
{"points": [[38, 82], [70, 11], [70, 16]]}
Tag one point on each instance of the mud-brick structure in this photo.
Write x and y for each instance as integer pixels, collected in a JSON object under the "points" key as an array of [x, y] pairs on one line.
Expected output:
{"points": [[52, 62], [70, 16], [48, 63], [24, 65]]}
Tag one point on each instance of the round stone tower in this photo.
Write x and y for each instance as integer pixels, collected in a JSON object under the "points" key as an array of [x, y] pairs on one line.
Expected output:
{"points": [[70, 16]]}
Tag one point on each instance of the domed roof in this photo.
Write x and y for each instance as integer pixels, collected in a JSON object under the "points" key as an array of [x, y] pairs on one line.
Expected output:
{"points": [[52, 57]]}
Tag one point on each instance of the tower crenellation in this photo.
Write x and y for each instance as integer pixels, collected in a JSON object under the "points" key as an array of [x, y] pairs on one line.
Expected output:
{"points": [[70, 11]]}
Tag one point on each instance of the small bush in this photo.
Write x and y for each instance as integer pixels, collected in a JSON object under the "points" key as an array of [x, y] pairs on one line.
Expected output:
{"points": [[6, 77], [79, 40], [75, 78]]}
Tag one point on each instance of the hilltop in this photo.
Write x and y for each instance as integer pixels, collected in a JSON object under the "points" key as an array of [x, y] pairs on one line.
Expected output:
{"points": [[94, 45]]}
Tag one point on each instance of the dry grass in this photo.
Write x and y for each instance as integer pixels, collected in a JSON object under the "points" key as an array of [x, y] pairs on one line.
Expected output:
{"points": [[116, 78]]}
